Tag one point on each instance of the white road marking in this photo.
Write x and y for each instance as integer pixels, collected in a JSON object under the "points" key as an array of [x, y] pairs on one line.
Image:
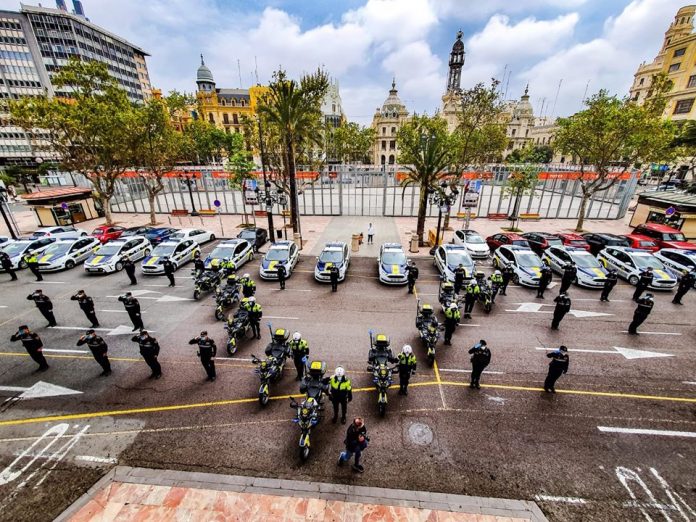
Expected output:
{"points": [[643, 431], [565, 500], [689, 382], [83, 328], [653, 333], [139, 297], [468, 371], [157, 286], [296, 290], [232, 359], [173, 299], [597, 300], [586, 313], [628, 353], [466, 324], [101, 460], [120, 311], [626, 475], [44, 282], [552, 285], [536, 308], [279, 317], [40, 390], [57, 350], [3, 306]]}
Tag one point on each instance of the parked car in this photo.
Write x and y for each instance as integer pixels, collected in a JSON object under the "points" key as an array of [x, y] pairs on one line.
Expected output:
{"points": [[178, 251], [254, 235], [391, 264], [109, 257], [25, 245], [664, 236], [106, 233], [448, 257], [156, 235], [540, 241], [506, 238], [280, 253], [525, 263], [641, 242], [677, 260], [335, 254], [67, 253], [239, 251], [475, 245], [136, 231], [598, 241], [590, 272], [574, 240], [198, 235], [67, 231], [629, 262]]}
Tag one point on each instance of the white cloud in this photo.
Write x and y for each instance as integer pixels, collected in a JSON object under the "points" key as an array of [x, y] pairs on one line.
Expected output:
{"points": [[416, 56], [477, 9]]}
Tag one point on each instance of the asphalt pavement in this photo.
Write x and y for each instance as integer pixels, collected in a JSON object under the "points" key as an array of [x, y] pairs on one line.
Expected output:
{"points": [[615, 442]]}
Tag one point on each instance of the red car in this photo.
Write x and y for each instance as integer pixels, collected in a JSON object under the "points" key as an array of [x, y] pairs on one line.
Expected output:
{"points": [[641, 242], [506, 238], [574, 240], [664, 236], [106, 233]]}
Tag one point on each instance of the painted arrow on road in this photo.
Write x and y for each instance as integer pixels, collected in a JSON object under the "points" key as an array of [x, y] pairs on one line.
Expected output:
{"points": [[628, 353], [40, 390], [536, 309], [119, 330], [172, 299]]}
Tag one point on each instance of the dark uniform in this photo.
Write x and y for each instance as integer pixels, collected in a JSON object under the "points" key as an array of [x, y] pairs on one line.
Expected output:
{"points": [[132, 306], [459, 275], [646, 278], [33, 345], [281, 276], [299, 350], [645, 306], [32, 261], [570, 272], [45, 306], [87, 306], [686, 283], [340, 394], [609, 284], [6, 263], [169, 269], [562, 308], [207, 349], [129, 267], [480, 358], [508, 272], [558, 366], [544, 280], [99, 350], [198, 266], [472, 291], [149, 349], [333, 275], [452, 317], [255, 315], [412, 276], [407, 367]]}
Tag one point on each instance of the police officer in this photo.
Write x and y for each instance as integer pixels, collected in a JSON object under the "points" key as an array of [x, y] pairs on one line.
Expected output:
{"points": [[6, 263], [407, 367], [609, 284], [255, 315], [496, 279], [452, 317], [169, 269], [480, 358], [340, 393], [508, 272], [99, 350], [686, 283], [544, 280], [129, 267], [207, 350], [32, 261], [558, 366], [281, 276], [459, 275], [646, 278], [32, 344], [645, 306], [228, 266], [333, 276], [149, 349], [87, 306], [472, 292], [248, 286], [198, 265], [570, 272], [562, 308], [412, 275], [132, 306], [299, 349], [45, 306]]}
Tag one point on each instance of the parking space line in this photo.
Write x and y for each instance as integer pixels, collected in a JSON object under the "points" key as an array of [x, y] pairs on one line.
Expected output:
{"points": [[641, 431], [565, 500], [688, 382], [469, 371], [56, 350], [439, 384], [44, 282], [279, 317], [100, 460], [120, 311], [653, 333]]}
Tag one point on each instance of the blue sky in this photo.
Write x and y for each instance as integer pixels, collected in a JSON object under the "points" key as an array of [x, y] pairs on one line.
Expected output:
{"points": [[364, 43]]}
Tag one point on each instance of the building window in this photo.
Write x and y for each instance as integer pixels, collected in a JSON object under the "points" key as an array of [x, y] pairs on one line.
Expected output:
{"points": [[393, 130], [384, 131], [225, 118], [392, 145], [674, 67], [684, 106], [514, 131], [211, 118], [235, 119], [391, 159], [680, 52], [384, 145], [642, 81], [692, 81], [333, 108], [384, 159]]}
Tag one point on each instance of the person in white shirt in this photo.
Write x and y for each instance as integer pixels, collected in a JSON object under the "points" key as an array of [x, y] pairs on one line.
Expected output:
{"points": [[370, 233]]}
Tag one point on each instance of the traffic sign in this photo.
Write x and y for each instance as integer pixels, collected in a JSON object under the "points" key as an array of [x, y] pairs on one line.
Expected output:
{"points": [[670, 211], [217, 203]]}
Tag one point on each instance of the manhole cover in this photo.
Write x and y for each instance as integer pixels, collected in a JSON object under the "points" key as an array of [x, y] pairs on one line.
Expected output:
{"points": [[420, 434]]}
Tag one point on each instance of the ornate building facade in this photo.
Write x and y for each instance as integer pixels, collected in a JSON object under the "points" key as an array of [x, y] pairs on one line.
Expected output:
{"points": [[387, 121], [519, 116], [452, 97]]}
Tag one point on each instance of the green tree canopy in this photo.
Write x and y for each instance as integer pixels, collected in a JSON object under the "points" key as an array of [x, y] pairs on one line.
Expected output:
{"points": [[353, 143]]}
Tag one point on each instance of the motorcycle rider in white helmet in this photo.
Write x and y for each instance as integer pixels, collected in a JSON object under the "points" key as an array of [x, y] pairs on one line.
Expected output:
{"points": [[407, 367], [299, 349]]}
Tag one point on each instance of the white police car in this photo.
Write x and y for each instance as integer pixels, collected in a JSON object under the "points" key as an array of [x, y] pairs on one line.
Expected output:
{"points": [[677, 260], [283, 253], [590, 272], [475, 245], [178, 251], [66, 253], [18, 248], [392, 264], [238, 251], [334, 254], [629, 262], [525, 263], [109, 257], [448, 257]]}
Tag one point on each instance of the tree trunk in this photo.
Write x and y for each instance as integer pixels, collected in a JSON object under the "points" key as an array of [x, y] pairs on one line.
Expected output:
{"points": [[151, 200], [106, 205], [290, 165], [581, 214], [422, 209]]}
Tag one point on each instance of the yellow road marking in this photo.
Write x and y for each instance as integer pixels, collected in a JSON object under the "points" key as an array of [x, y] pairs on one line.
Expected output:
{"points": [[437, 372]]}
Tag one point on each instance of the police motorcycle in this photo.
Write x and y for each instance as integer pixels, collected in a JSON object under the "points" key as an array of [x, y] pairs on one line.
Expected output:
{"points": [[446, 295], [270, 369], [205, 282], [238, 325], [429, 329], [485, 295], [226, 297], [380, 359], [310, 410]]}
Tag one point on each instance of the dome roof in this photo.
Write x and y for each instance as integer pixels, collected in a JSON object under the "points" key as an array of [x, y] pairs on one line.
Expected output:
{"points": [[393, 103], [204, 74], [458, 44]]}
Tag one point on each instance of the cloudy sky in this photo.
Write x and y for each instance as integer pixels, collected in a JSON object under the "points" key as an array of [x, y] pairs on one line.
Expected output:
{"points": [[363, 43]]}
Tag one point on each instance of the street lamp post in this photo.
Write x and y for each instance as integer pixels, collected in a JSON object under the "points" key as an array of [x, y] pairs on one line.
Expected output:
{"points": [[189, 183], [443, 201], [270, 198]]}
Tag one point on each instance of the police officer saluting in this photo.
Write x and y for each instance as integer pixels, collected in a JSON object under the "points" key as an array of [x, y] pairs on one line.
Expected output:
{"points": [[299, 349], [558, 366], [508, 271], [6, 263], [32, 344], [570, 272], [412, 276], [562, 308], [459, 274], [646, 278], [686, 283], [340, 393], [281, 276], [129, 267], [169, 269], [480, 358], [32, 261], [99, 350], [333, 276], [149, 349], [407, 367], [206, 351], [544, 280], [452, 317], [645, 306], [87, 306], [45, 306], [609, 284], [132, 306]]}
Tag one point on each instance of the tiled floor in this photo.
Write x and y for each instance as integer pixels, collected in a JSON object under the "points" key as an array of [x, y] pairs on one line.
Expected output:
{"points": [[148, 503]]}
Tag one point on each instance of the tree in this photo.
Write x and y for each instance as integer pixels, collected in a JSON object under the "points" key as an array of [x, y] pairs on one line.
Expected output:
{"points": [[531, 154], [205, 143], [239, 167], [425, 151], [90, 130], [352, 143], [613, 132], [522, 180], [291, 113]]}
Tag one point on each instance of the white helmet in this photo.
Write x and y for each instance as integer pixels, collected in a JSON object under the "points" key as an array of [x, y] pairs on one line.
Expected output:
{"points": [[252, 299], [247, 276], [339, 372], [407, 349], [296, 336], [453, 306], [497, 272]]}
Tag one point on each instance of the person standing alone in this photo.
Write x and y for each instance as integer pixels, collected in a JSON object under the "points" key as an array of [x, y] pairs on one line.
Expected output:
{"points": [[370, 233]]}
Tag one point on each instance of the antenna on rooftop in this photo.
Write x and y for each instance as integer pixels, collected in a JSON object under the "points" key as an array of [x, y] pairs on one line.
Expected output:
{"points": [[553, 110], [239, 72]]}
